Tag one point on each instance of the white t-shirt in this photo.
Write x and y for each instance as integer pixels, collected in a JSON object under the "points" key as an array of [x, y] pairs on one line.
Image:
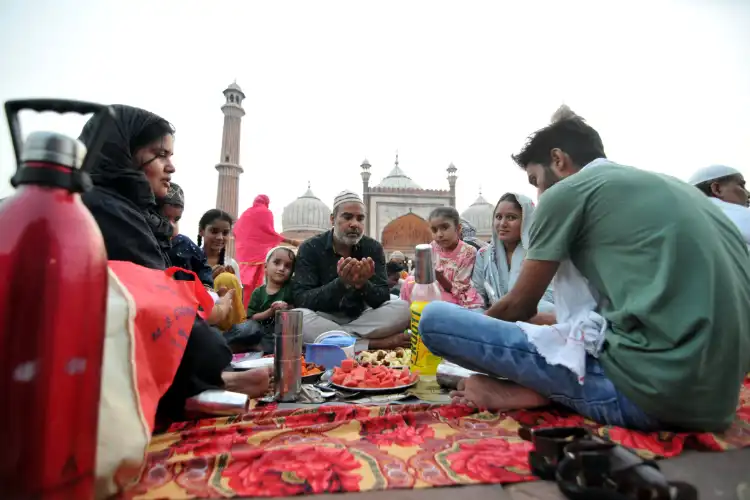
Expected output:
{"points": [[738, 214]]}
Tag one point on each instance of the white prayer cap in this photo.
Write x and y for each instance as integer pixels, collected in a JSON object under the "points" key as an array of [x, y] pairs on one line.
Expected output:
{"points": [[398, 255], [346, 197], [712, 173]]}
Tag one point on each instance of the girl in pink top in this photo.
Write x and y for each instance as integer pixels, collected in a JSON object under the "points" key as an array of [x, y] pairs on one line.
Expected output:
{"points": [[454, 261]]}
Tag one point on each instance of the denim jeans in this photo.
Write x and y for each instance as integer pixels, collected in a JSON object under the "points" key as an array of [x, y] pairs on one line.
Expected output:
{"points": [[501, 349]]}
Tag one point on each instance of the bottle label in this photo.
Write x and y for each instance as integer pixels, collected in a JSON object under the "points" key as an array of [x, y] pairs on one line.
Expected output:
{"points": [[422, 360]]}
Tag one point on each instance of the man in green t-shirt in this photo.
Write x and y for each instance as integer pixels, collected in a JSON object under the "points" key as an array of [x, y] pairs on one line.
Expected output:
{"points": [[673, 277]]}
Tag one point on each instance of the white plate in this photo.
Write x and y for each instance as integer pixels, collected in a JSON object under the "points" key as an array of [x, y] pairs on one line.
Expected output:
{"points": [[247, 364], [375, 389]]}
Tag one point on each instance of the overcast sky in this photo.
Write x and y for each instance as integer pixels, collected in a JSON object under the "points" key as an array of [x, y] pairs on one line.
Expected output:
{"points": [[666, 83]]}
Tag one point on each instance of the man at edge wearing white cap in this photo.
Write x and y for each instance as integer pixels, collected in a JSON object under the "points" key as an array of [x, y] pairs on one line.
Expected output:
{"points": [[725, 187]]}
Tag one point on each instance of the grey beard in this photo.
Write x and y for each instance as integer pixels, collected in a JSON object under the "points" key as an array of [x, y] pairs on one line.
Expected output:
{"points": [[346, 239]]}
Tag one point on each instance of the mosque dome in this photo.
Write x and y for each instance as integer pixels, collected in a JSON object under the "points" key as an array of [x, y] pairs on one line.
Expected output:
{"points": [[479, 215], [398, 179], [306, 214]]}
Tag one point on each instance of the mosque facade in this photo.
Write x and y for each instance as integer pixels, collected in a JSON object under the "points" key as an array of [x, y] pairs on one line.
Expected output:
{"points": [[398, 208]]}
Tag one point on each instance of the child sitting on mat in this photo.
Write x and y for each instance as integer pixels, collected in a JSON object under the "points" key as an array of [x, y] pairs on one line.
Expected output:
{"points": [[273, 295], [453, 261]]}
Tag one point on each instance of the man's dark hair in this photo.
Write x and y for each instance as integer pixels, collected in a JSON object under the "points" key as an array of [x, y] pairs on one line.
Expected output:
{"points": [[393, 268], [569, 133]]}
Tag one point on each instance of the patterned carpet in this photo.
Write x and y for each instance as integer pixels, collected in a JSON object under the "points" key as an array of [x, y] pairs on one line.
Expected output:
{"points": [[271, 453]]}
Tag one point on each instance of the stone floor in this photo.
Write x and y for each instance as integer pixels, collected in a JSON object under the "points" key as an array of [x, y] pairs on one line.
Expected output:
{"points": [[720, 476]]}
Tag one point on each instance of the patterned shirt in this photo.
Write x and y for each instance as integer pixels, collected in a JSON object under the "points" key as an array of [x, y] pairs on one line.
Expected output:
{"points": [[317, 286], [187, 255], [457, 266]]}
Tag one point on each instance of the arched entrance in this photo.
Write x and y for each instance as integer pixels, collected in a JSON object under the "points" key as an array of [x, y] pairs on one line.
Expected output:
{"points": [[404, 233]]}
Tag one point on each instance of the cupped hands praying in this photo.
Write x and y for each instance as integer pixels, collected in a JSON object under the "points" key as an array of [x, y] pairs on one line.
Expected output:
{"points": [[355, 272]]}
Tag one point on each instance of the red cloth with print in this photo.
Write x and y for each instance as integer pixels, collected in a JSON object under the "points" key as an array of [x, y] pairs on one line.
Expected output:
{"points": [[332, 449]]}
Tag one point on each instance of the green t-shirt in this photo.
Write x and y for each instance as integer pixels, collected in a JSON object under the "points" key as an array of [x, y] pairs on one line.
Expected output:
{"points": [[261, 301], [674, 276]]}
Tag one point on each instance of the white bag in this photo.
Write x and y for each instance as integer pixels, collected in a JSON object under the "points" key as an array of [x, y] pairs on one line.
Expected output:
{"points": [[123, 434]]}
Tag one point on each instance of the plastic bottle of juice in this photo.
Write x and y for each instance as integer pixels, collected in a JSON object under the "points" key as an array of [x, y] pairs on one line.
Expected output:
{"points": [[425, 291]]}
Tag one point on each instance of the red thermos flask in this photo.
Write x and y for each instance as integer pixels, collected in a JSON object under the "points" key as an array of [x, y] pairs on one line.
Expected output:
{"points": [[53, 298]]}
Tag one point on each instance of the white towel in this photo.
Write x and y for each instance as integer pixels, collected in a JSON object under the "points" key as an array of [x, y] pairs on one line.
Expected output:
{"points": [[580, 331]]}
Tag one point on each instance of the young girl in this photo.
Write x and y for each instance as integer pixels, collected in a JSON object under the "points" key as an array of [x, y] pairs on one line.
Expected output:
{"points": [[454, 260], [274, 295], [214, 229]]}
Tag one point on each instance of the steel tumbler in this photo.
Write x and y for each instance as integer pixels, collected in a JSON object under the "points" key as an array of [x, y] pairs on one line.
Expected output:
{"points": [[288, 355]]}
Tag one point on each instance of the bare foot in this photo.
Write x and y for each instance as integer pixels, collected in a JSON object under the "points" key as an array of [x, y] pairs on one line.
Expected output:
{"points": [[544, 319], [254, 383], [392, 342], [487, 393]]}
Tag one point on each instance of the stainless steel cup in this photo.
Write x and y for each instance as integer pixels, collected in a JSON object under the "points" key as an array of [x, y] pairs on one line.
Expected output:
{"points": [[288, 356], [424, 265], [288, 383], [288, 335]]}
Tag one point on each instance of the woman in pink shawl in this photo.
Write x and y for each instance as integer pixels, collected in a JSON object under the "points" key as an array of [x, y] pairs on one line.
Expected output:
{"points": [[254, 236]]}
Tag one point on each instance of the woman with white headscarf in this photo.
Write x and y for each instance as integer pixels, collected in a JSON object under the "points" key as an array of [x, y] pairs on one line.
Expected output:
{"points": [[725, 187], [497, 266]]}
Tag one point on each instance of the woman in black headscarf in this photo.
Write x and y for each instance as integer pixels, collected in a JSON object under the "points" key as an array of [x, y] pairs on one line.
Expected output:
{"points": [[133, 169]]}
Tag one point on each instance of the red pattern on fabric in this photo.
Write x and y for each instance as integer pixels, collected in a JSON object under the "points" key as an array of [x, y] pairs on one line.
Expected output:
{"points": [[272, 453]]}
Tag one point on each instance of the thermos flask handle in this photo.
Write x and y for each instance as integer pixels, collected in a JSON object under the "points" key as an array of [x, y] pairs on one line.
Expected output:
{"points": [[12, 108]]}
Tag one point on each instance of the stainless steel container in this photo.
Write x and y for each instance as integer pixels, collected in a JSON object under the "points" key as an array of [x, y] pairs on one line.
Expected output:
{"points": [[217, 402], [288, 356], [54, 148], [424, 264]]}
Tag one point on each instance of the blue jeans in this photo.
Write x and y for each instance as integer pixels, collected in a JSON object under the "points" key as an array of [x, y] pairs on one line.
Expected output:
{"points": [[501, 349]]}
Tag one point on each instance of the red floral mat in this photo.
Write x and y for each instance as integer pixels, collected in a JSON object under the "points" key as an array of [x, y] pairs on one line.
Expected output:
{"points": [[357, 448]]}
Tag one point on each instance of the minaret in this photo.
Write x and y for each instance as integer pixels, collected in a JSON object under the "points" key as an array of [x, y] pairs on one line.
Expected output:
{"points": [[229, 164], [366, 188], [452, 182]]}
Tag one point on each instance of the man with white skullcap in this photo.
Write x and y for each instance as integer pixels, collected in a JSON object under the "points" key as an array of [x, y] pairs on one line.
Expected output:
{"points": [[340, 282], [725, 187], [398, 257]]}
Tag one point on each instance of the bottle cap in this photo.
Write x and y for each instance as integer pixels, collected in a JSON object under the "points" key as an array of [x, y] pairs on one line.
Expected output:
{"points": [[54, 148], [424, 268]]}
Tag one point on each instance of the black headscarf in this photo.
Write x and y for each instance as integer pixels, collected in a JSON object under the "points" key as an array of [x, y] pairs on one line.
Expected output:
{"points": [[122, 203], [116, 169]]}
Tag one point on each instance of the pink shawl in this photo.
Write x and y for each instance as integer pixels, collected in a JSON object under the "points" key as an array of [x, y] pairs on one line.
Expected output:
{"points": [[254, 234]]}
